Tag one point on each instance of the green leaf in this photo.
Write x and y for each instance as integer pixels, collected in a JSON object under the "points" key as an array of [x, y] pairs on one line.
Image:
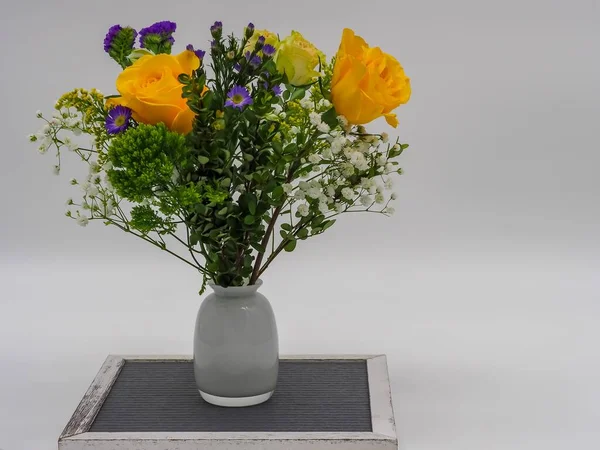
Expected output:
{"points": [[249, 220], [286, 226], [327, 224], [252, 204], [222, 211], [302, 233], [297, 93], [277, 192], [203, 159], [290, 246], [258, 247], [330, 117]]}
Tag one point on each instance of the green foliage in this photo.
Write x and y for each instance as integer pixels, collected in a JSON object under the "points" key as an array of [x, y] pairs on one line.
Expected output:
{"points": [[144, 159], [145, 219]]}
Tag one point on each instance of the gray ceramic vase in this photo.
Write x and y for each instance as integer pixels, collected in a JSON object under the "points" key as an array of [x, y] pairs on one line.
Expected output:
{"points": [[236, 347]]}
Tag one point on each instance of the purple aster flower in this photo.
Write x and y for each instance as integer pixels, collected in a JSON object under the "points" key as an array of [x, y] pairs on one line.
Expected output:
{"points": [[199, 53], [249, 30], [277, 89], [161, 30], [110, 36], [118, 119], [268, 50], [238, 97], [259, 43], [255, 61], [237, 67], [214, 44], [216, 29]]}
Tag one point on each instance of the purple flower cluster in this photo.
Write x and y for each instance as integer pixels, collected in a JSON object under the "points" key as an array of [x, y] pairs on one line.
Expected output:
{"points": [[164, 29], [110, 36], [199, 53]]}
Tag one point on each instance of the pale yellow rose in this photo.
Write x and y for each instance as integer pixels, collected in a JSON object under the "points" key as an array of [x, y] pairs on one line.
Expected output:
{"points": [[367, 83], [150, 88], [297, 58]]}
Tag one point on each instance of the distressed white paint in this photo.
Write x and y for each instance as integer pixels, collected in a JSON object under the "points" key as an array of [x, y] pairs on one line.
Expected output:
{"points": [[383, 437], [382, 412], [92, 401]]}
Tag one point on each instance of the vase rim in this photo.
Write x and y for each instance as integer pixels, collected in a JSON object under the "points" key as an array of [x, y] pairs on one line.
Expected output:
{"points": [[235, 291]]}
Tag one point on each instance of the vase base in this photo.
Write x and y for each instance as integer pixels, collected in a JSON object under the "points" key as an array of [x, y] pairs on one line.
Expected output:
{"points": [[236, 402]]}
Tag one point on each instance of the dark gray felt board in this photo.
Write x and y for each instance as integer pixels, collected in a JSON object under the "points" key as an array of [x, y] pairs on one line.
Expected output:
{"points": [[311, 395]]}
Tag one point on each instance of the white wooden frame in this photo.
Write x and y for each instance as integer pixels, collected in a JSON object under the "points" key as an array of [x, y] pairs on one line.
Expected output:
{"points": [[76, 435]]}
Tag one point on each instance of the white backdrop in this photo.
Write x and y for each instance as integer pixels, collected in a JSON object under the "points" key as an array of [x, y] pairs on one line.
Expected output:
{"points": [[483, 290]]}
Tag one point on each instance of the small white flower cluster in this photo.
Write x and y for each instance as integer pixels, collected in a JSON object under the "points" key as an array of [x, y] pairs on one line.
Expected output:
{"points": [[98, 194], [48, 134]]}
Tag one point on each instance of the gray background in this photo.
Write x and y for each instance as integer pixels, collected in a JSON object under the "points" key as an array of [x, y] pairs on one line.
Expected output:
{"points": [[483, 289]]}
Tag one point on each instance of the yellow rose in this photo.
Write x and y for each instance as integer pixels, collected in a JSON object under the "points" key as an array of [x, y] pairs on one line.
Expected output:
{"points": [[297, 58], [150, 88], [367, 83], [270, 38]]}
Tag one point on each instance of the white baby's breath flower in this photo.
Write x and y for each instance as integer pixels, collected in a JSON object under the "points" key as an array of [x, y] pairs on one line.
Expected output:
{"points": [[323, 127], [304, 185], [313, 192], [107, 166], [381, 160], [389, 210], [82, 220], [69, 201], [385, 137], [94, 167], [38, 114], [110, 207], [359, 161], [73, 181], [314, 158], [389, 167], [294, 130], [388, 183], [348, 193], [76, 131], [330, 191], [379, 198], [324, 103], [56, 170], [45, 130], [315, 118], [347, 169], [326, 153], [287, 187], [366, 182], [299, 194], [55, 122], [32, 137], [340, 207], [394, 196], [323, 208], [366, 200], [306, 103], [396, 147], [303, 209]]}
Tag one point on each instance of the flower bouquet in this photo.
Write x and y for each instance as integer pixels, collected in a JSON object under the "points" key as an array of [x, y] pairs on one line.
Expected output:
{"points": [[227, 162]]}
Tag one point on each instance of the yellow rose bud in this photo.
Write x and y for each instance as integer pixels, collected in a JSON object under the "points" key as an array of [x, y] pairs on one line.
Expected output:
{"points": [[150, 88], [270, 38], [297, 58], [367, 83]]}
